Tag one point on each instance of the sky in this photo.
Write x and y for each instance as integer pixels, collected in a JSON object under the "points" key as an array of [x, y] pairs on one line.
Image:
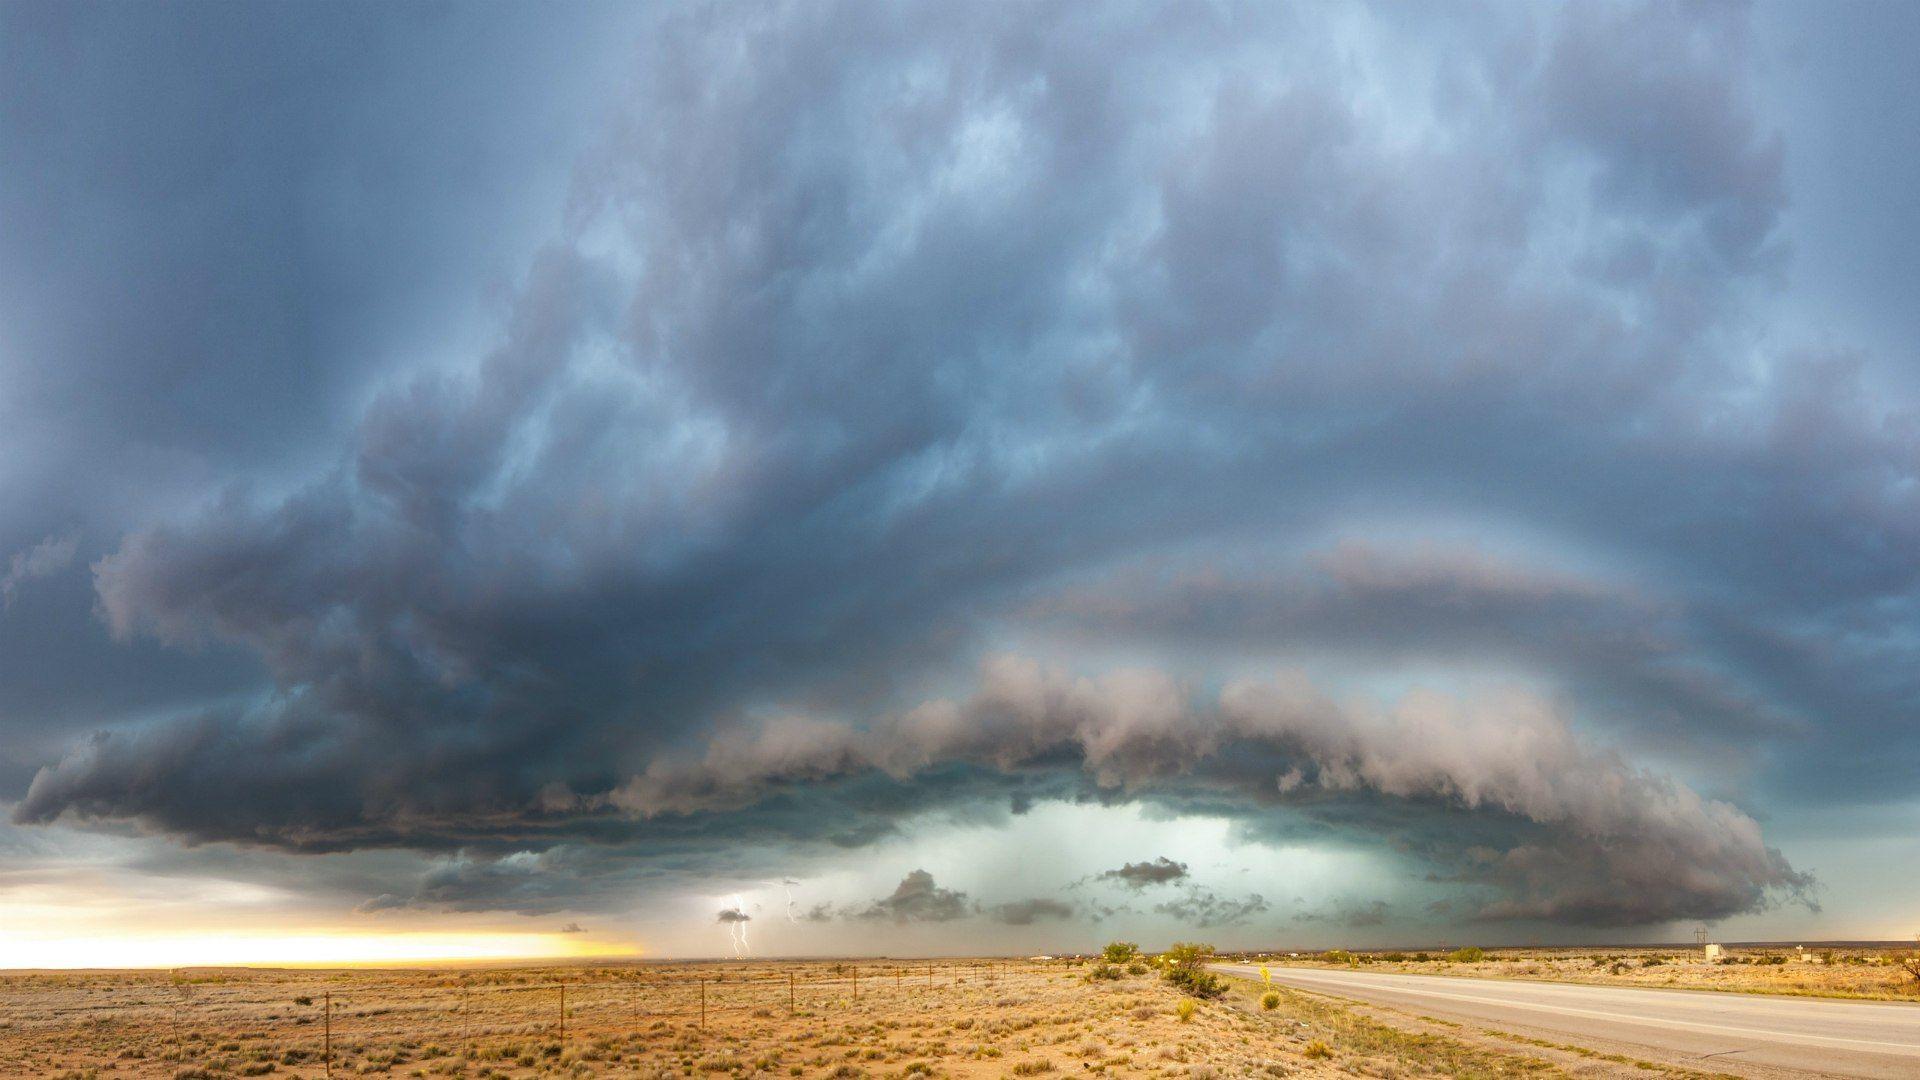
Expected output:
{"points": [[818, 478]]}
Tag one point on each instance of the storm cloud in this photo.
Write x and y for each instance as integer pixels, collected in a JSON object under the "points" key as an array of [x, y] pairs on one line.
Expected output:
{"points": [[1139, 875], [1030, 911], [918, 899], [1284, 414], [1589, 837]]}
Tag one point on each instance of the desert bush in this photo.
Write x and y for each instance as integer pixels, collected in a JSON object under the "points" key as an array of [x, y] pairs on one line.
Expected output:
{"points": [[1337, 956], [1201, 984], [1318, 1050], [1119, 952], [1186, 968], [1270, 1000], [1472, 954], [1910, 963], [1184, 1010], [1102, 971], [1033, 1068], [1136, 968]]}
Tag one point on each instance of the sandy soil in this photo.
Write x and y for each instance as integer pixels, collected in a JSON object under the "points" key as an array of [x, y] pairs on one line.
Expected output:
{"points": [[972, 1019]]}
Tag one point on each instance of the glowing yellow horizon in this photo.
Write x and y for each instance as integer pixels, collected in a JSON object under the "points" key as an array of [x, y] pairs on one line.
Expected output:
{"points": [[317, 949]]}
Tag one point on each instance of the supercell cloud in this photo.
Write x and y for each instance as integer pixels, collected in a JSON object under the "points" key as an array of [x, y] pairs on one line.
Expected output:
{"points": [[1380, 432]]}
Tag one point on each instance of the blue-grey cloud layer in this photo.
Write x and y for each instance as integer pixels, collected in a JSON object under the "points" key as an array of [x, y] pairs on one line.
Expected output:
{"points": [[1373, 347]]}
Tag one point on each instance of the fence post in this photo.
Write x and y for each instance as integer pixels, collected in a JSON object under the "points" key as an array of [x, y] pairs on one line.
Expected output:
{"points": [[563, 1010], [929, 976], [327, 1029], [703, 1004], [856, 984], [790, 1009]]}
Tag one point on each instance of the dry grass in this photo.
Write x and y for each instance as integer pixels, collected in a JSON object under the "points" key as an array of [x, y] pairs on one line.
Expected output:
{"points": [[1870, 973], [976, 1020]]}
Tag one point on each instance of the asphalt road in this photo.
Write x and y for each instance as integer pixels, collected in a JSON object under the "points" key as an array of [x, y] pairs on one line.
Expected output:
{"points": [[1704, 1030]]}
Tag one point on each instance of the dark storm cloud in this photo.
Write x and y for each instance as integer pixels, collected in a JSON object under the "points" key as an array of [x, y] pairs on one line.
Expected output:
{"points": [[1579, 834], [1030, 911], [918, 899], [1139, 875], [874, 335], [221, 224], [734, 915]]}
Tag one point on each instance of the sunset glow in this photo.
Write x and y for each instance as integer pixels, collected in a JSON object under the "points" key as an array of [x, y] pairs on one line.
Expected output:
{"points": [[288, 950]]}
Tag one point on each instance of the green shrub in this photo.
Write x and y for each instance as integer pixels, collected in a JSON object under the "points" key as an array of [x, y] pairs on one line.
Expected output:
{"points": [[1472, 954], [1119, 952], [1190, 955], [1201, 984], [1338, 956], [1184, 1010], [1270, 1000], [1318, 1050], [1102, 971], [1136, 968]]}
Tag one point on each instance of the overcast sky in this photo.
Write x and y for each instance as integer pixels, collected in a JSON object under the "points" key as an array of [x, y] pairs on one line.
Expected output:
{"points": [[941, 477]]}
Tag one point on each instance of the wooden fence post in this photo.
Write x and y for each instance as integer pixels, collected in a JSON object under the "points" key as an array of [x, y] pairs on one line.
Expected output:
{"points": [[327, 1028], [703, 1004], [790, 993], [929, 976], [563, 1010]]}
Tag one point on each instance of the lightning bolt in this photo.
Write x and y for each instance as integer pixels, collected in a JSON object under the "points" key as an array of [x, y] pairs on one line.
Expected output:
{"points": [[738, 930]]}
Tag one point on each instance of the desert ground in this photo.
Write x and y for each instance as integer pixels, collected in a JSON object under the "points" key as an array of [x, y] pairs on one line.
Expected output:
{"points": [[1874, 972], [976, 1018]]}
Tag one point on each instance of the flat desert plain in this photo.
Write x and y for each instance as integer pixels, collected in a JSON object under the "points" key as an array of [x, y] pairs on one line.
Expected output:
{"points": [[803, 1018], [1880, 972]]}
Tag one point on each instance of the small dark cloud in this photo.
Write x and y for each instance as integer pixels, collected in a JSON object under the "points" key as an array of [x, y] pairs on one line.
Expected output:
{"points": [[1139, 875], [572, 928], [1027, 912], [918, 899], [734, 915]]}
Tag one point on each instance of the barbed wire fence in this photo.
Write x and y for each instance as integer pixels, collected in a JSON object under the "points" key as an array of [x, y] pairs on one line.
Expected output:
{"points": [[320, 1021]]}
